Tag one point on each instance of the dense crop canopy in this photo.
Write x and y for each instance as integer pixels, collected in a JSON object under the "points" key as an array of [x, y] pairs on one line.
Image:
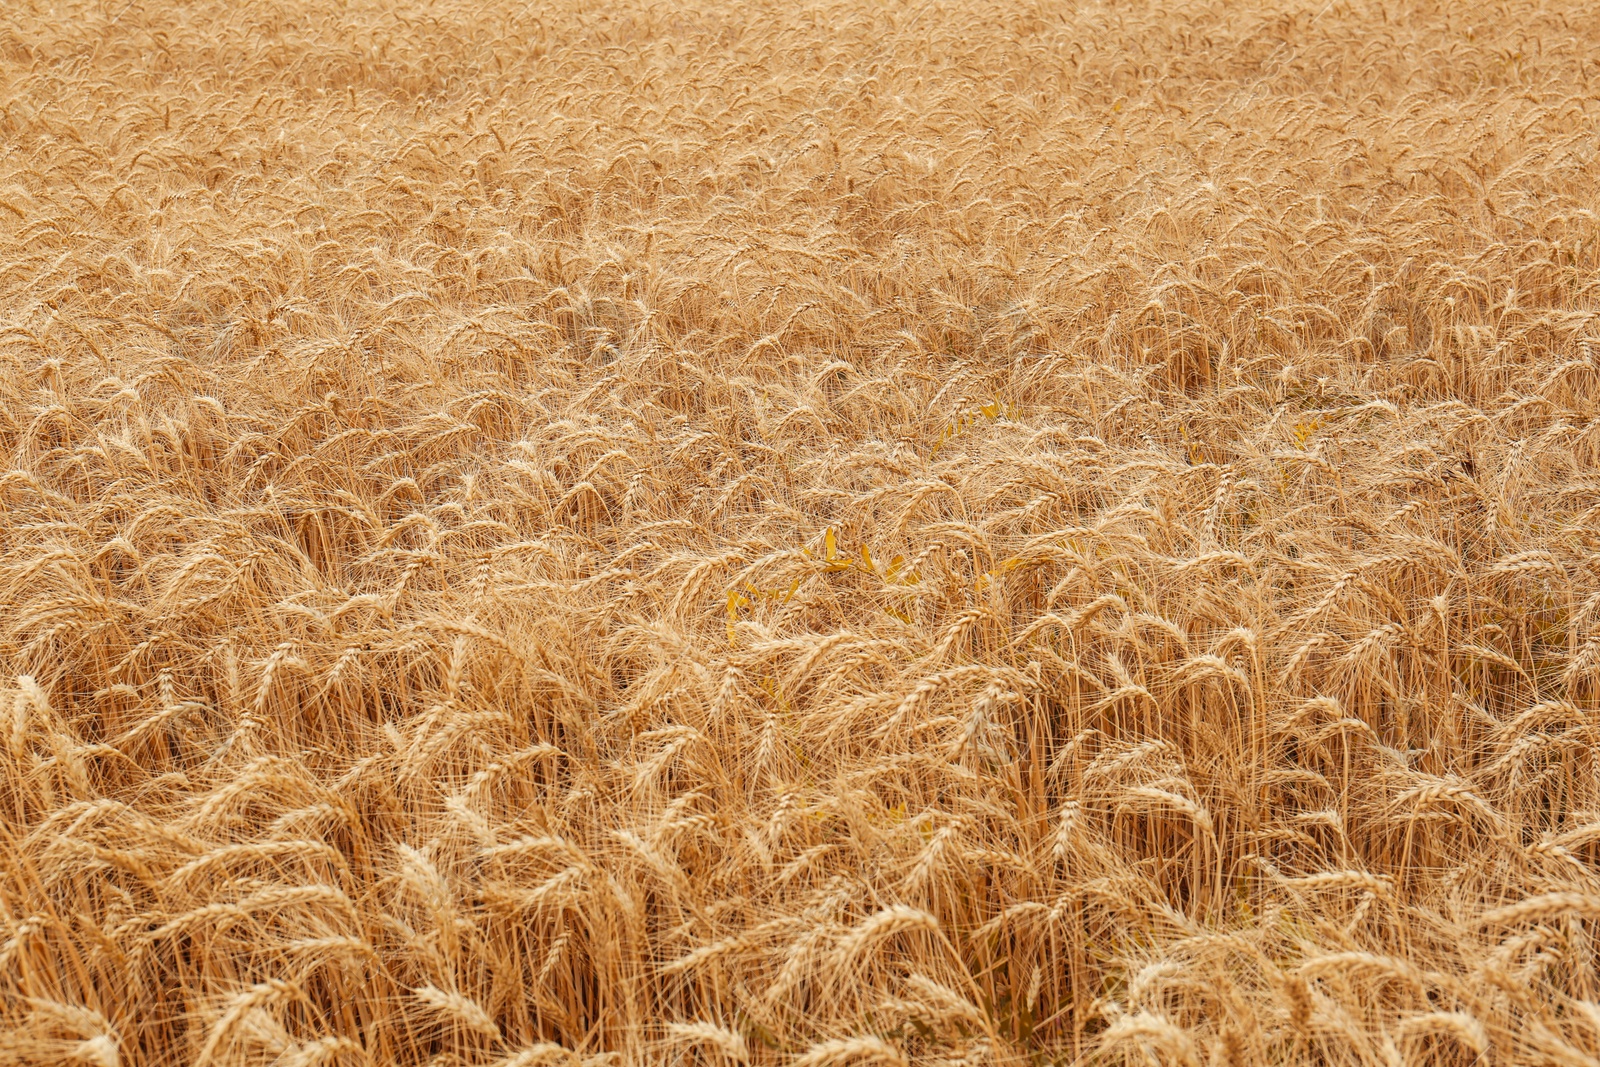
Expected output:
{"points": [[805, 532]]}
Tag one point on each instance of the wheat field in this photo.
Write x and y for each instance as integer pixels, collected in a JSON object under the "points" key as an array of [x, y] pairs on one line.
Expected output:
{"points": [[808, 533]]}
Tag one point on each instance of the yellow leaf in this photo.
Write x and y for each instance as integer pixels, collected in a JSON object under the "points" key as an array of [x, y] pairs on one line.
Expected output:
{"points": [[735, 601]]}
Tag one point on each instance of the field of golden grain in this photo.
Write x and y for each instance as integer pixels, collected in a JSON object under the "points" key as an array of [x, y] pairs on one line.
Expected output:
{"points": [[800, 533]]}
